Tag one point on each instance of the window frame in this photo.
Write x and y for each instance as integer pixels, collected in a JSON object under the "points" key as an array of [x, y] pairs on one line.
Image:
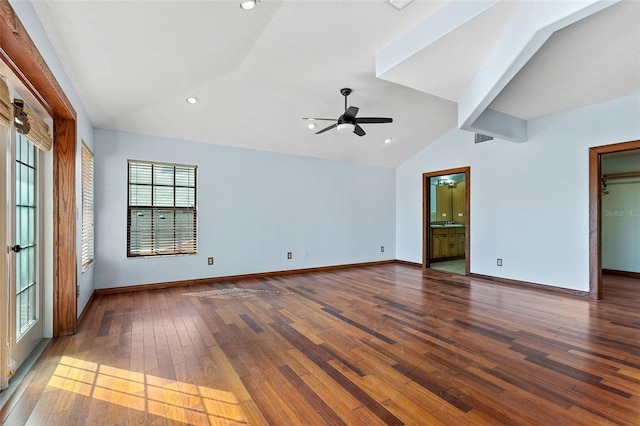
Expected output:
{"points": [[179, 247], [87, 248]]}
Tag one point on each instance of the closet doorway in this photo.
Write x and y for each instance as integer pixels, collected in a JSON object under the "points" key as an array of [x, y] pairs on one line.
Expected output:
{"points": [[445, 220], [614, 212]]}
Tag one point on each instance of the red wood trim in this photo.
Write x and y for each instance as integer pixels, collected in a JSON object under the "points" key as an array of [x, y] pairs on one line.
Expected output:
{"points": [[426, 219], [407, 263], [21, 55], [247, 277], [628, 274], [86, 309], [243, 277], [595, 267], [467, 222], [65, 300], [533, 286]]}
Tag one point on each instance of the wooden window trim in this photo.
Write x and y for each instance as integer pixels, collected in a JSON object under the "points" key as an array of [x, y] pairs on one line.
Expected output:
{"points": [[21, 55]]}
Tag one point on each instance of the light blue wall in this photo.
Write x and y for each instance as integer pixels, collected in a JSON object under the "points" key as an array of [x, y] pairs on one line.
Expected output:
{"points": [[31, 22], [253, 208], [529, 201]]}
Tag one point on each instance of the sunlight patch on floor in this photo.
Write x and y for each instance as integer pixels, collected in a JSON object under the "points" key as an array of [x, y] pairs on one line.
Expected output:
{"points": [[173, 400]]}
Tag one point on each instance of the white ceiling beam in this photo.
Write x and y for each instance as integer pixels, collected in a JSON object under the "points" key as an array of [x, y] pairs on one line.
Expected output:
{"points": [[432, 29], [500, 125], [529, 29]]}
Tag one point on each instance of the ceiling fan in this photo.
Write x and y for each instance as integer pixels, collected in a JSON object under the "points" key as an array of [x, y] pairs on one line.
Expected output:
{"points": [[348, 122]]}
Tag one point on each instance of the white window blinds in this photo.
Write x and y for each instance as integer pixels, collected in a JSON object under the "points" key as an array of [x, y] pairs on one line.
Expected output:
{"points": [[87, 207], [162, 216]]}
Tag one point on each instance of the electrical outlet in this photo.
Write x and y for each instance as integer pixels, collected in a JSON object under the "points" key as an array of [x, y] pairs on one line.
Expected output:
{"points": [[381, 249], [499, 262], [209, 261], [289, 255]]}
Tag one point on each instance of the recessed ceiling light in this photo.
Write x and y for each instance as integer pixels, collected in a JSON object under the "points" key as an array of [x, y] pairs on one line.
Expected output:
{"points": [[192, 100], [311, 126], [387, 140], [248, 4]]}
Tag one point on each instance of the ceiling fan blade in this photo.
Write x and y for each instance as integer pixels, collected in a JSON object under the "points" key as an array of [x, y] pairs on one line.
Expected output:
{"points": [[359, 131], [318, 119], [374, 120], [333, 126], [350, 114]]}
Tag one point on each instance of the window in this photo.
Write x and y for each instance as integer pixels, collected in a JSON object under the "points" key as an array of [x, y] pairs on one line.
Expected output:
{"points": [[162, 215], [87, 207]]}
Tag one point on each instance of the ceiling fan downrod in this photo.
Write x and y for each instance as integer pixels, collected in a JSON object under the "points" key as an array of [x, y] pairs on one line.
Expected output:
{"points": [[345, 92]]}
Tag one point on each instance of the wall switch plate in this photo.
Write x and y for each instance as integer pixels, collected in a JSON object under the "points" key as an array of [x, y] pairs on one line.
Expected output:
{"points": [[209, 261], [289, 255], [499, 262], [460, 214], [381, 249]]}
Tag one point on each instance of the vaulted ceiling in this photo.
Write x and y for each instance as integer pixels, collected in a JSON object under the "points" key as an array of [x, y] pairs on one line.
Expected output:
{"points": [[432, 66]]}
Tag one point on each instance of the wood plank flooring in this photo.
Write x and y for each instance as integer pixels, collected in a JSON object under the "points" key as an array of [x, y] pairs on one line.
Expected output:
{"points": [[379, 345]]}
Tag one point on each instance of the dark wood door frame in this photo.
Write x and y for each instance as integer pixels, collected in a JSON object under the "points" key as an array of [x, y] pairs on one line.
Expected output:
{"points": [[595, 212], [426, 214], [21, 55]]}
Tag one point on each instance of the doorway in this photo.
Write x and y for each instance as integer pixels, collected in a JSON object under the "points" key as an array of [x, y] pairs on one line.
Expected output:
{"points": [[597, 189], [445, 220]]}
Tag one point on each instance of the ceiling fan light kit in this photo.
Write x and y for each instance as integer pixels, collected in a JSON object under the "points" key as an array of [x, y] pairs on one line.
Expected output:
{"points": [[346, 128], [348, 122]]}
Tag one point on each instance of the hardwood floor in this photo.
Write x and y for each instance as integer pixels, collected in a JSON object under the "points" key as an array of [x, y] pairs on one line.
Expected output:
{"points": [[363, 346]]}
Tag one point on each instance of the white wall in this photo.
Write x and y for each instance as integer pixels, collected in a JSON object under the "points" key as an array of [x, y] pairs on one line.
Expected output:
{"points": [[529, 201], [253, 208], [30, 20]]}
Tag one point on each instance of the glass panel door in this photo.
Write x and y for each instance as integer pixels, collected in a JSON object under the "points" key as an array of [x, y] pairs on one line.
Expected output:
{"points": [[26, 288], [27, 291]]}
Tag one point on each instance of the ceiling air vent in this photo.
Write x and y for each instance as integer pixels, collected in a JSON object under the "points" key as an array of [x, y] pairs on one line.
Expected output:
{"points": [[482, 138], [400, 4]]}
